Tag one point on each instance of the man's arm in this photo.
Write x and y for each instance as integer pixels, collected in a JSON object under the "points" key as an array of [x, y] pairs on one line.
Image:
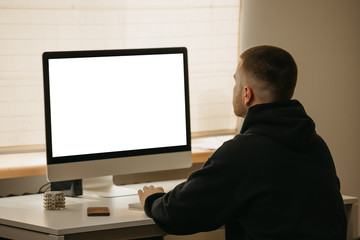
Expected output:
{"points": [[205, 201]]}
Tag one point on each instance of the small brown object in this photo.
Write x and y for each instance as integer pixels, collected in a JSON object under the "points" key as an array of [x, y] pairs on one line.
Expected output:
{"points": [[98, 211]]}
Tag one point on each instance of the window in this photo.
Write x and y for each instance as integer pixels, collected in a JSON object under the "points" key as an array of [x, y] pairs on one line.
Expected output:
{"points": [[208, 28]]}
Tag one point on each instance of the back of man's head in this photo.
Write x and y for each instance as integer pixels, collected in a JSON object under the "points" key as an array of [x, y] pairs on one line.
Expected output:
{"points": [[273, 68]]}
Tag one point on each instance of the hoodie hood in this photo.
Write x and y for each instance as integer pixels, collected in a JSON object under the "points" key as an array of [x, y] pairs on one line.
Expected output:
{"points": [[285, 122]]}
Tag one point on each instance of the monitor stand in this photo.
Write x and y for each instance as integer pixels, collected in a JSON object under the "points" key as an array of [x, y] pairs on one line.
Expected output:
{"points": [[105, 187], [71, 188]]}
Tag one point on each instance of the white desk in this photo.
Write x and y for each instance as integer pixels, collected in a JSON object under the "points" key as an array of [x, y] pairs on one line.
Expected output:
{"points": [[25, 218], [351, 209]]}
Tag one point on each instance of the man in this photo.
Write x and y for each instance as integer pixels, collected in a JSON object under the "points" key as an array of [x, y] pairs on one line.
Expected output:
{"points": [[275, 180]]}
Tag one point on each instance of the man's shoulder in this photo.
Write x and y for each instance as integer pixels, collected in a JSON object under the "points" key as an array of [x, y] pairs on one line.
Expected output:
{"points": [[244, 141], [240, 145]]}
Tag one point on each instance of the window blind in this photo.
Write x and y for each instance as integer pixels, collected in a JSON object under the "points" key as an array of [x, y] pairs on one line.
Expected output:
{"points": [[208, 28]]}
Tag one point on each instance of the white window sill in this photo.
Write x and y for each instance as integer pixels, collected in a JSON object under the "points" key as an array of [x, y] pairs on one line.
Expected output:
{"points": [[22, 165], [34, 163]]}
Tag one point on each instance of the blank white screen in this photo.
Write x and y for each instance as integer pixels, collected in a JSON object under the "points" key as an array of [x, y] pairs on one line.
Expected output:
{"points": [[107, 104]]}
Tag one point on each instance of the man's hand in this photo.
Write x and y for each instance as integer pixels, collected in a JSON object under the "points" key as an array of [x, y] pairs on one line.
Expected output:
{"points": [[147, 191]]}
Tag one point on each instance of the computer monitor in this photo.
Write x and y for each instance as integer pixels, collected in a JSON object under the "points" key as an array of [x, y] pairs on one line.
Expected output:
{"points": [[113, 112]]}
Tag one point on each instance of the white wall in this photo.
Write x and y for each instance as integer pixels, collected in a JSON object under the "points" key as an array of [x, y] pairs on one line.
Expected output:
{"points": [[324, 38]]}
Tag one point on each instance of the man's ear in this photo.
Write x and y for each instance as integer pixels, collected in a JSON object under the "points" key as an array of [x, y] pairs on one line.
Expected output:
{"points": [[248, 95]]}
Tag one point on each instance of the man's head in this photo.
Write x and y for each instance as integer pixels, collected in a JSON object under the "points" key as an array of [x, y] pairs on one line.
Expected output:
{"points": [[264, 74]]}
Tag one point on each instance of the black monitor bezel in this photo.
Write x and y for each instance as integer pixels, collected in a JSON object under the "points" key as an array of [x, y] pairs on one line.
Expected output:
{"points": [[103, 53]]}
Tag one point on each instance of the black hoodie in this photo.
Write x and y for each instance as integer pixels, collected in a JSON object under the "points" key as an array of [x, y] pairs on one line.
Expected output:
{"points": [[275, 180]]}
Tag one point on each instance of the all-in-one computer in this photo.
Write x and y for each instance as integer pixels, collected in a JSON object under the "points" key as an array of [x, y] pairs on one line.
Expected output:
{"points": [[113, 112]]}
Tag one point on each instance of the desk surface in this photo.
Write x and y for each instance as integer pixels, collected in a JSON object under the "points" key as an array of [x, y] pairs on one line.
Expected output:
{"points": [[27, 212]]}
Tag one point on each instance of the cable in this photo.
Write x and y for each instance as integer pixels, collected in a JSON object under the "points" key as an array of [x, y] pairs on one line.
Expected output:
{"points": [[41, 190]]}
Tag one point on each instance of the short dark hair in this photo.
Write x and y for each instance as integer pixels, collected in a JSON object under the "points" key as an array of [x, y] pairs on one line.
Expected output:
{"points": [[273, 66]]}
